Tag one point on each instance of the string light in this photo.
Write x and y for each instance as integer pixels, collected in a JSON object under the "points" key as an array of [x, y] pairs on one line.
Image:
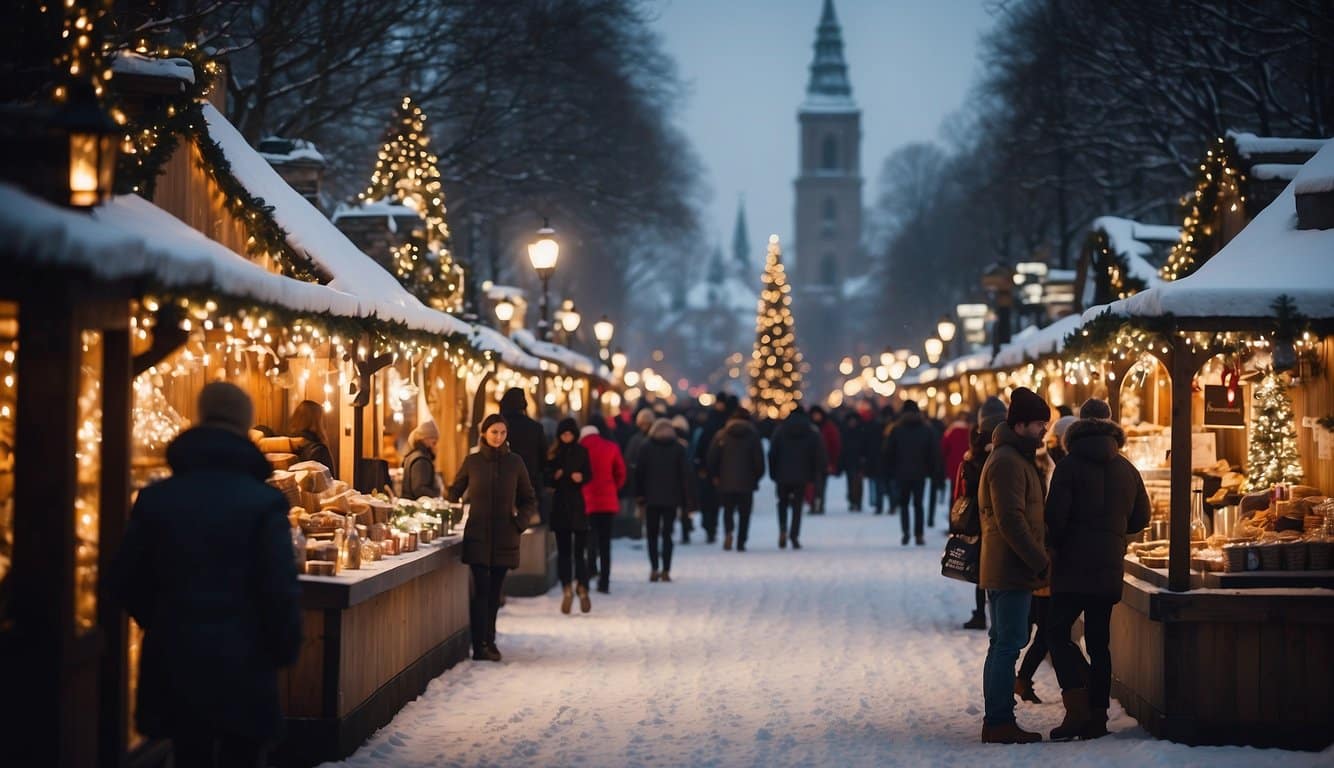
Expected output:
{"points": [[1218, 182], [776, 363], [1272, 455]]}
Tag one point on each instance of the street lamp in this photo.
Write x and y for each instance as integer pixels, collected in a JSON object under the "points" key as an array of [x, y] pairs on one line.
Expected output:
{"points": [[505, 313], [603, 330], [569, 317], [934, 347], [92, 146], [543, 254], [619, 360], [946, 329]]}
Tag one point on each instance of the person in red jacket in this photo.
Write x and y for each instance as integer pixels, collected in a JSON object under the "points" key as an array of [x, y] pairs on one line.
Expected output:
{"points": [[954, 445], [602, 499], [833, 448]]}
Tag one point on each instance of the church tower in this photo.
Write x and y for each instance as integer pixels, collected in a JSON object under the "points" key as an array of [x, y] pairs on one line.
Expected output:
{"points": [[828, 202]]}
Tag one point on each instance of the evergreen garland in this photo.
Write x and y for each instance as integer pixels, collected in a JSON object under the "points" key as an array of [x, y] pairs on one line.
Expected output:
{"points": [[1111, 271], [1201, 211]]}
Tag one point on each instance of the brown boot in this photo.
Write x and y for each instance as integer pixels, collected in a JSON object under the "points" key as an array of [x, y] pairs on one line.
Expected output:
{"points": [[727, 542], [1010, 733], [1024, 690], [567, 599], [585, 603], [1076, 715], [1097, 724]]}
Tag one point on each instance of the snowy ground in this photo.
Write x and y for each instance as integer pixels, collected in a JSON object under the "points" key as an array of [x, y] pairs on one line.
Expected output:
{"points": [[845, 653]]}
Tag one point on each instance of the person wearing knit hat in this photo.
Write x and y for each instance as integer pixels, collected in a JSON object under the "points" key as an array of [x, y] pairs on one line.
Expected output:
{"points": [[1093, 408], [1056, 445], [419, 475], [1014, 559], [225, 406], [991, 413], [568, 469]]}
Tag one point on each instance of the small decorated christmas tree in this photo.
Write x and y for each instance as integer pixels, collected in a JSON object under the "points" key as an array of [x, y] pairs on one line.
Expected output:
{"points": [[1273, 456], [775, 365], [406, 172]]}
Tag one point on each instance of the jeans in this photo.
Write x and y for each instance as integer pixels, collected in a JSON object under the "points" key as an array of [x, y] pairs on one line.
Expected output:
{"points": [[855, 490], [734, 503], [791, 496], [1071, 668], [217, 751], [878, 487], [1008, 635], [817, 501], [661, 520], [599, 547], [1037, 649], [571, 560], [487, 584], [911, 490]]}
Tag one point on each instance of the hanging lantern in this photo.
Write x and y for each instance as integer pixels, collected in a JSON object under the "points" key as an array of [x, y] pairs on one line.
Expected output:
{"points": [[92, 146]]}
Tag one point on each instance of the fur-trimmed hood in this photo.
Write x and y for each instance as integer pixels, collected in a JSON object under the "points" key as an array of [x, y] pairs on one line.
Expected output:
{"points": [[663, 431], [1094, 439]]}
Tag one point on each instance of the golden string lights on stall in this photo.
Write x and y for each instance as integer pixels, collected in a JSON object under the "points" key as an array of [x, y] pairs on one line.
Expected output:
{"points": [[1218, 182]]}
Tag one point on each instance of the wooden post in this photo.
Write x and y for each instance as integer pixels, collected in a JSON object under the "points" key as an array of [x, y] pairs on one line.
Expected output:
{"points": [[1183, 365], [117, 404]]}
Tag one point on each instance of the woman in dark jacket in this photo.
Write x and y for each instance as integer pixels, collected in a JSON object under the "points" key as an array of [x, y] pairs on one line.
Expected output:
{"points": [[735, 463], [911, 455], [568, 468], [501, 506], [307, 423], [419, 475], [664, 483]]}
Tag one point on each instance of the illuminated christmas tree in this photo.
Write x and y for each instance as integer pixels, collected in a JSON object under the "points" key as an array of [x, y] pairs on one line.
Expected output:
{"points": [[1273, 456], [406, 172], [775, 365]]}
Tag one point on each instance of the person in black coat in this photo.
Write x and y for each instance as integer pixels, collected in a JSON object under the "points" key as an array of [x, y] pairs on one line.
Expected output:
{"points": [[1097, 499], [502, 504], [736, 466], [207, 570], [568, 468], [796, 459], [911, 454], [307, 423], [709, 501], [528, 440], [664, 483], [419, 475]]}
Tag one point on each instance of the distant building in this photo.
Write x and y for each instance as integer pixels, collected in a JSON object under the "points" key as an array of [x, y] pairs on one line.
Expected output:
{"points": [[300, 164]]}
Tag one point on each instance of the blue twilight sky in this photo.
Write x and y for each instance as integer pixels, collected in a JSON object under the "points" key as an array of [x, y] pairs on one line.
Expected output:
{"points": [[745, 62]]}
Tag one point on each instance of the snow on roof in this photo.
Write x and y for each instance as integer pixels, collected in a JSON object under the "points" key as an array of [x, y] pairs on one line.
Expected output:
{"points": [[565, 357], [374, 208], [732, 295], [975, 361], [1275, 171], [1131, 240], [1318, 174], [1269, 258], [1249, 144], [487, 339], [293, 150], [1036, 344], [308, 231], [827, 103], [1060, 276], [130, 238], [858, 286], [133, 63], [509, 292]]}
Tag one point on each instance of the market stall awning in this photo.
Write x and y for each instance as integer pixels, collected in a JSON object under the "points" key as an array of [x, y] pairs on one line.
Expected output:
{"points": [[566, 358], [1038, 344], [485, 339], [1269, 258]]}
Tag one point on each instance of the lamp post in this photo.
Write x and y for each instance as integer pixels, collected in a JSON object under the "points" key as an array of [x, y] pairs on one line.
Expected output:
{"points": [[505, 314], [945, 331], [569, 319], [934, 347], [543, 253], [603, 330]]}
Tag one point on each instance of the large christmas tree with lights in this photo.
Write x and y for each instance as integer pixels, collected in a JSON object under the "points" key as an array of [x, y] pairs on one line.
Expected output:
{"points": [[407, 172], [1273, 456], [775, 365]]}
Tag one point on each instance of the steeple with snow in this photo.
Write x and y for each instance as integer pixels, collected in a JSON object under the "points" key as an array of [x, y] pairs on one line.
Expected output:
{"points": [[829, 86]]}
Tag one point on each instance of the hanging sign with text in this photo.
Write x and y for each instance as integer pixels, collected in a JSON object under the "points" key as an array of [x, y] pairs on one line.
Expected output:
{"points": [[1222, 412]]}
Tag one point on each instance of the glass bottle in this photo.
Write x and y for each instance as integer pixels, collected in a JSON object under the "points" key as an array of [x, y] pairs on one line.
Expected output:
{"points": [[1198, 531], [353, 544], [299, 548], [340, 544]]}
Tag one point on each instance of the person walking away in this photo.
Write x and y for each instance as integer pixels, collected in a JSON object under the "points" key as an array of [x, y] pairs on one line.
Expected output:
{"points": [[1097, 499], [937, 478], [872, 426], [833, 449], [682, 427], [969, 478], [796, 459], [601, 500], [854, 460], [911, 455], [220, 613], [1014, 560], [527, 440], [954, 445], [501, 502], [736, 466], [568, 468], [643, 422], [708, 495], [419, 475], [664, 484], [307, 423]]}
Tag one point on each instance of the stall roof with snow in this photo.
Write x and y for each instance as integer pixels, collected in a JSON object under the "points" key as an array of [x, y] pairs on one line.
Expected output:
{"points": [[486, 339], [1038, 344], [562, 356]]}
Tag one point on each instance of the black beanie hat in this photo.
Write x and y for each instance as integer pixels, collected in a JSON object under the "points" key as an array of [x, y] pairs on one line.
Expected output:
{"points": [[1093, 408], [491, 420], [568, 425], [1026, 406]]}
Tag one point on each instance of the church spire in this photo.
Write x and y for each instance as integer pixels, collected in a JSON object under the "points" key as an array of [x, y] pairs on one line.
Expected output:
{"points": [[740, 239], [716, 272], [829, 72]]}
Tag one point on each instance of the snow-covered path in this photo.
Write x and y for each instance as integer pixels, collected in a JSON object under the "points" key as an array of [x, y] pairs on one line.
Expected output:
{"points": [[845, 653]]}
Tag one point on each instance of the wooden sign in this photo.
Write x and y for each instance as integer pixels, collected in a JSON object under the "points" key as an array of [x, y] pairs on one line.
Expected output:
{"points": [[1219, 412]]}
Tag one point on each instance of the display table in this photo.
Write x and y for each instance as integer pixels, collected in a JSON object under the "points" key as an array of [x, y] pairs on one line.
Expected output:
{"points": [[1226, 666], [372, 639]]}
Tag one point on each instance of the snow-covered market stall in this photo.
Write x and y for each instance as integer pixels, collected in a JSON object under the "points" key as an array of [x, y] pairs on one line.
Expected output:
{"points": [[115, 311]]}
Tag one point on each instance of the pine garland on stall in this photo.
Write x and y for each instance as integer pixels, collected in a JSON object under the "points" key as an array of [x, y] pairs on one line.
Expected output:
{"points": [[775, 365], [1111, 272], [1202, 210], [407, 172], [1273, 456]]}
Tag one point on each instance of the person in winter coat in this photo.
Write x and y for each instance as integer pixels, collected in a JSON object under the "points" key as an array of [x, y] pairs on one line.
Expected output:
{"points": [[853, 460], [1097, 499], [796, 459], [911, 455], [682, 426], [568, 469], [641, 422], [969, 479], [709, 502], [937, 479], [601, 500], [419, 475], [502, 504], [833, 448], [1014, 558], [736, 466], [220, 612], [664, 484], [954, 445], [527, 440], [307, 423]]}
